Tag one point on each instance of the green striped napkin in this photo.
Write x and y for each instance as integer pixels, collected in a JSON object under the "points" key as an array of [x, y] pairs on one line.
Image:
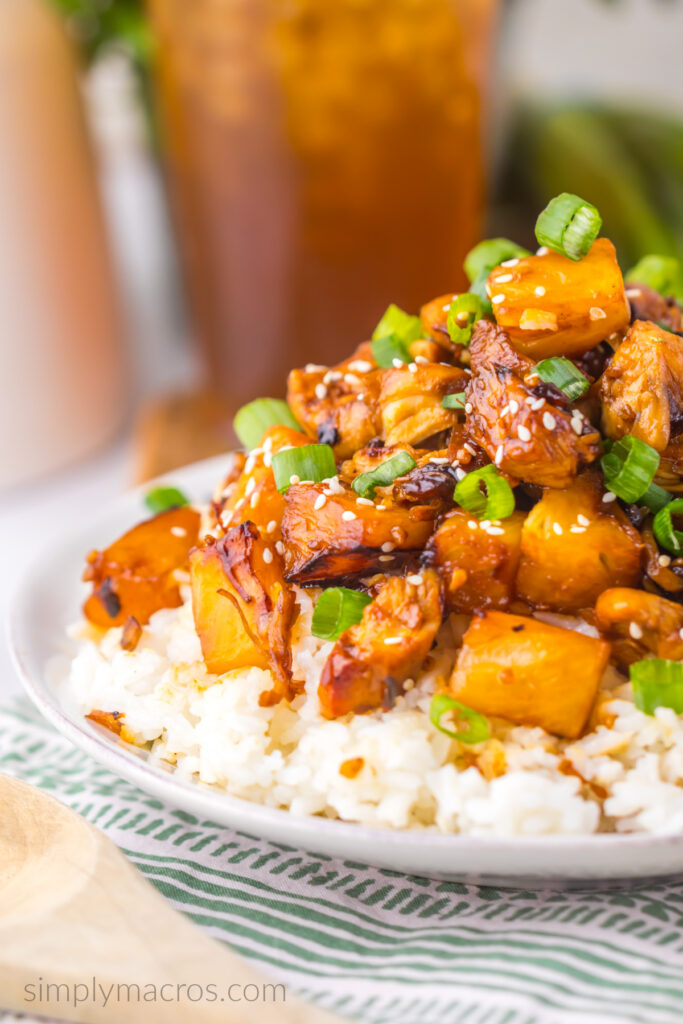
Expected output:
{"points": [[377, 945]]}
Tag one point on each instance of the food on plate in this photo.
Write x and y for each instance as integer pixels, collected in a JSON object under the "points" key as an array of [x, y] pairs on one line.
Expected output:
{"points": [[442, 586]]}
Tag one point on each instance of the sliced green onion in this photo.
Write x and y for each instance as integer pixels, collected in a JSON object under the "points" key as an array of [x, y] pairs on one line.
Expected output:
{"points": [[561, 372], [569, 225], [478, 288], [395, 321], [655, 498], [489, 254], [386, 350], [663, 527], [161, 499], [454, 401], [336, 609], [478, 730], [629, 467], [464, 311], [252, 420], [311, 462], [657, 683], [384, 474], [497, 502], [659, 272]]}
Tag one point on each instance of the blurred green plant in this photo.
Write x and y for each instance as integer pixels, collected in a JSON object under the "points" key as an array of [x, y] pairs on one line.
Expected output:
{"points": [[100, 24], [626, 161]]}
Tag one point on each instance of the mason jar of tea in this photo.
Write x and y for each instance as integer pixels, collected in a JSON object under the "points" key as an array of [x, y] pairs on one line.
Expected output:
{"points": [[324, 159]]}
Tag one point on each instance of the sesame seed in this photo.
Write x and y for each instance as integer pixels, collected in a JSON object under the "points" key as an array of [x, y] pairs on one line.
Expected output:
{"points": [[350, 378], [314, 368], [364, 501], [294, 479], [267, 556], [510, 263], [468, 407], [267, 445], [504, 278], [386, 558], [514, 406], [320, 502], [537, 404], [499, 456], [255, 498], [632, 293], [393, 639], [549, 421], [577, 425], [408, 684], [484, 523], [251, 484], [388, 546], [523, 433], [468, 448], [577, 529], [460, 473], [320, 391], [583, 520], [381, 508], [421, 360], [557, 529], [447, 307], [279, 547], [178, 531], [543, 251], [495, 531], [505, 410], [635, 631], [226, 517], [249, 464], [438, 461], [360, 366], [397, 363], [664, 560], [680, 633], [609, 496], [331, 376], [596, 313], [268, 460], [415, 579], [473, 524], [360, 398], [539, 290], [271, 527], [460, 454], [348, 515], [498, 298], [531, 378], [412, 367]]}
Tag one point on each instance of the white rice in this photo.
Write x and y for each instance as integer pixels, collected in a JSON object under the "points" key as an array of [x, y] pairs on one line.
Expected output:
{"points": [[212, 729]]}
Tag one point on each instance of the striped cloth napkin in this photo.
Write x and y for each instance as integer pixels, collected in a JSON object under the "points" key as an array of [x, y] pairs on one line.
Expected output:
{"points": [[374, 944]]}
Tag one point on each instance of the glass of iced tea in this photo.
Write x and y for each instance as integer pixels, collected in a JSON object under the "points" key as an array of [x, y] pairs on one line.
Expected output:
{"points": [[325, 159]]}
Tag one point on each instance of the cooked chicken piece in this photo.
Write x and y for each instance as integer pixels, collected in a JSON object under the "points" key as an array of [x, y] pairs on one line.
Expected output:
{"points": [[527, 428], [331, 535], [135, 576], [370, 661], [528, 672], [647, 304], [338, 406], [410, 401], [670, 470], [639, 624], [253, 496], [243, 609], [487, 552], [553, 306], [642, 388], [575, 545]]}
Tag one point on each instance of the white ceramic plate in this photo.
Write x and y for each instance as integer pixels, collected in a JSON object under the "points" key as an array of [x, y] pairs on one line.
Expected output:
{"points": [[49, 599]]}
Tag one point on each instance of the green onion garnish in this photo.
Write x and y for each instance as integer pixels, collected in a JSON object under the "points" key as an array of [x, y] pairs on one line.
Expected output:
{"points": [[478, 288], [489, 254], [395, 321], [386, 350], [659, 272], [657, 683], [161, 499], [478, 730], [561, 372], [464, 311], [384, 474], [252, 420], [655, 498], [336, 609], [629, 466], [454, 401], [569, 225], [497, 501], [663, 527], [311, 462]]}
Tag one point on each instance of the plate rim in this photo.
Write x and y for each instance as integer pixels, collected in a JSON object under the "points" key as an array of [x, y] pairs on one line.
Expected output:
{"points": [[249, 816]]}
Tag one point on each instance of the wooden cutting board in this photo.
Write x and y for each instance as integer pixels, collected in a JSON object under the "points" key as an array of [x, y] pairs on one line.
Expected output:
{"points": [[72, 908]]}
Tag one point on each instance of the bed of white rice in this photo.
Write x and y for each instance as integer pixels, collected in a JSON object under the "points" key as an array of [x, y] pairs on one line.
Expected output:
{"points": [[629, 767]]}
